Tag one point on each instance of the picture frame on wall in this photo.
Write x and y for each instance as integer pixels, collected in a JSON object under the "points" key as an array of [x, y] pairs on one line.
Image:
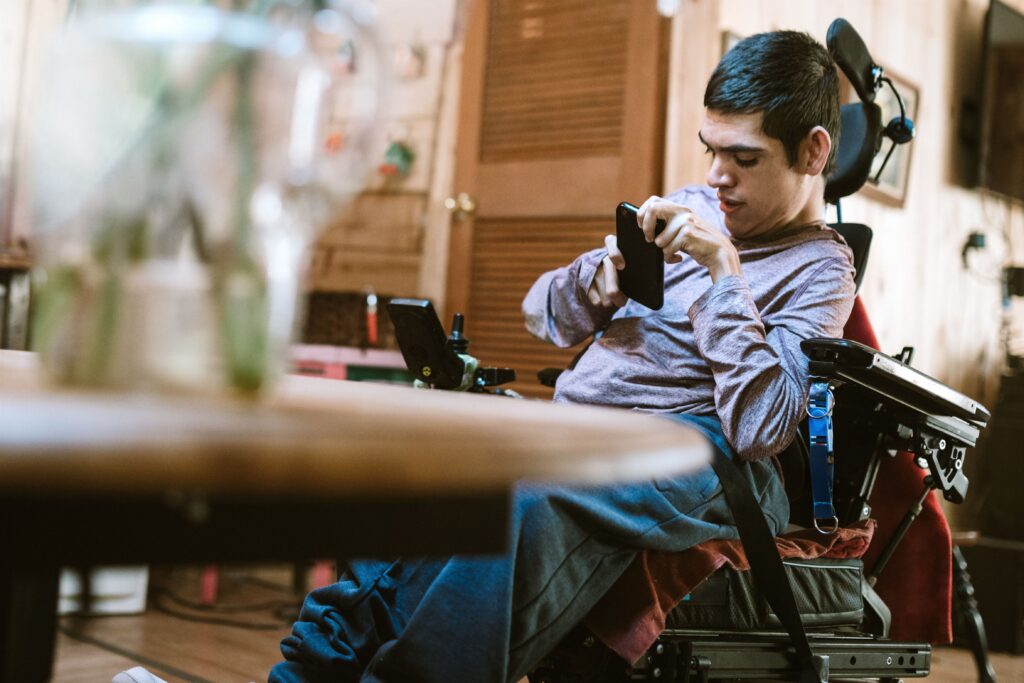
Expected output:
{"points": [[891, 186]]}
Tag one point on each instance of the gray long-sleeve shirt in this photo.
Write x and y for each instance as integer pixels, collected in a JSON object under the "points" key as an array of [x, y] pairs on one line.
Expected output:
{"points": [[731, 348]]}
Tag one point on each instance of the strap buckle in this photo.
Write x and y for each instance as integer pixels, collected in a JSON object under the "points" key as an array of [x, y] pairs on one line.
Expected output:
{"points": [[820, 403], [826, 531]]}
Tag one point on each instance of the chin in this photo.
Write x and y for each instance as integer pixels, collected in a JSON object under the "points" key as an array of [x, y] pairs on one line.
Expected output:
{"points": [[737, 229]]}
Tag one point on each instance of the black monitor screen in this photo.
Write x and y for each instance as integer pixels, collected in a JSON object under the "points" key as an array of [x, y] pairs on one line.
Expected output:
{"points": [[1002, 142]]}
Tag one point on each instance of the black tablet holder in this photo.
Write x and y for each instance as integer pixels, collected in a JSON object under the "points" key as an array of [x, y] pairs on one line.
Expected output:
{"points": [[437, 360]]}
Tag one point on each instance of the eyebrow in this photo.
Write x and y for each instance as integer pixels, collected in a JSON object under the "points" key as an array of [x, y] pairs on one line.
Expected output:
{"points": [[732, 149]]}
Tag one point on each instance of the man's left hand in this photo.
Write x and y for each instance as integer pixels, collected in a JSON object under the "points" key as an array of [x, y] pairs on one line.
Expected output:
{"points": [[687, 233]]}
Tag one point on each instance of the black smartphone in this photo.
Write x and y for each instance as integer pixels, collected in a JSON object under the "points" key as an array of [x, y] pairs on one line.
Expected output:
{"points": [[643, 278]]}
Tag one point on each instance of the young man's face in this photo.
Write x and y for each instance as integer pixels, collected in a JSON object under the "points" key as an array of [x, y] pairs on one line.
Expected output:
{"points": [[758, 190]]}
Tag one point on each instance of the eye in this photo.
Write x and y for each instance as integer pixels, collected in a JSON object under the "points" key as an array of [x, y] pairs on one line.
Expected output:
{"points": [[708, 150], [746, 163]]}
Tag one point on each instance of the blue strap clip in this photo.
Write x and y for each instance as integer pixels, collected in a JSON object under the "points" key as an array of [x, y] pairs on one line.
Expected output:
{"points": [[820, 403]]}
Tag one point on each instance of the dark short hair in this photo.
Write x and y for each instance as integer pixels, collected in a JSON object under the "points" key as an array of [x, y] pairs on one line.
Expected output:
{"points": [[789, 77]]}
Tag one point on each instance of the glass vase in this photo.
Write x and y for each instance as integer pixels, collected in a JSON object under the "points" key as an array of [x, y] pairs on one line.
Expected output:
{"points": [[179, 176]]}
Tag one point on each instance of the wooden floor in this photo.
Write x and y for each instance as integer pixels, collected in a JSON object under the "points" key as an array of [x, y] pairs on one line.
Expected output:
{"points": [[188, 646], [181, 649]]}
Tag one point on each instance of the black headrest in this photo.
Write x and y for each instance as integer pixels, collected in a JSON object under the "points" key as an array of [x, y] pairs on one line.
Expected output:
{"points": [[860, 132], [860, 135], [852, 56]]}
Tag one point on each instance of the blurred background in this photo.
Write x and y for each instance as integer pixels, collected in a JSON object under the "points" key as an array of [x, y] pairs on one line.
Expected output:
{"points": [[512, 128]]}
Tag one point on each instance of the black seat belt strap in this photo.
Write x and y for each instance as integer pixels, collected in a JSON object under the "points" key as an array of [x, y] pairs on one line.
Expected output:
{"points": [[765, 564]]}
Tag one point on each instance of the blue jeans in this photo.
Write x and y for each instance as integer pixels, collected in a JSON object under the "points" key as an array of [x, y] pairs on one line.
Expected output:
{"points": [[492, 619]]}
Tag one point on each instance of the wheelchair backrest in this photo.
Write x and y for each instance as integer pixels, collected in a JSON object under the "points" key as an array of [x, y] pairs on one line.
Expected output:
{"points": [[858, 237]]}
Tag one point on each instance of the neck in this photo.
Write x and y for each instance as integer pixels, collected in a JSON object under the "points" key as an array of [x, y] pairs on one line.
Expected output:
{"points": [[813, 208]]}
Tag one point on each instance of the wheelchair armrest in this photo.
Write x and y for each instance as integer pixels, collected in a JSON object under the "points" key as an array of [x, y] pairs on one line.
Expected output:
{"points": [[893, 382], [548, 376], [915, 412]]}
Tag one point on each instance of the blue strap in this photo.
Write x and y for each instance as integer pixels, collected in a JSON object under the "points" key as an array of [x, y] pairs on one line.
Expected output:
{"points": [[819, 410]]}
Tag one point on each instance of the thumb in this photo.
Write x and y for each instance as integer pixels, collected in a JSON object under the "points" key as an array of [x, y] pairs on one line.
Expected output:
{"points": [[611, 244]]}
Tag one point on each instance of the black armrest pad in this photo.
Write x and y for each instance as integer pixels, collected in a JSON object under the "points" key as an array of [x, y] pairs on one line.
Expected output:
{"points": [[890, 379]]}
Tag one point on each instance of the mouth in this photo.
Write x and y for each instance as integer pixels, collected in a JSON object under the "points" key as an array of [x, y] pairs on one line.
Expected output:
{"points": [[728, 206]]}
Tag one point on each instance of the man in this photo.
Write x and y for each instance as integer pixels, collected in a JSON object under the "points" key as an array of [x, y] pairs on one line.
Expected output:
{"points": [[738, 299], [753, 270]]}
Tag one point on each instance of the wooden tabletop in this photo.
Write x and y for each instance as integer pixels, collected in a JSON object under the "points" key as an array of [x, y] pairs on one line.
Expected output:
{"points": [[319, 436]]}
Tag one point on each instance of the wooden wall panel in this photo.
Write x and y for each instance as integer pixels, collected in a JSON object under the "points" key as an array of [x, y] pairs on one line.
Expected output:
{"points": [[338, 269], [376, 220]]}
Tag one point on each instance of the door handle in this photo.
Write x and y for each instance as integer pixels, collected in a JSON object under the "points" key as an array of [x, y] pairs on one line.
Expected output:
{"points": [[461, 205]]}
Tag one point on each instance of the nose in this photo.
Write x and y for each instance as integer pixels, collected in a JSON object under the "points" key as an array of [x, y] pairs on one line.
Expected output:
{"points": [[719, 175]]}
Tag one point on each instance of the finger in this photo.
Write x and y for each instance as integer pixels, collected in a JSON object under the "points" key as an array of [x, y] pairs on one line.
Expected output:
{"points": [[668, 234], [676, 238], [644, 208], [611, 243], [649, 221], [611, 287], [611, 283], [649, 218], [678, 242], [679, 224], [602, 287], [594, 291]]}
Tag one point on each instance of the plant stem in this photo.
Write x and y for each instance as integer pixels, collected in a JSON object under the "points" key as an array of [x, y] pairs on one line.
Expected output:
{"points": [[243, 289]]}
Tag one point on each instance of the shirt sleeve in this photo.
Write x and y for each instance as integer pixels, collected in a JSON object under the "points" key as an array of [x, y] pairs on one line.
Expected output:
{"points": [[556, 308], [761, 375]]}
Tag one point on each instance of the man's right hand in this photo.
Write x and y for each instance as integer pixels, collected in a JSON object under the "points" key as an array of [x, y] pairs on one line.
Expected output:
{"points": [[604, 290]]}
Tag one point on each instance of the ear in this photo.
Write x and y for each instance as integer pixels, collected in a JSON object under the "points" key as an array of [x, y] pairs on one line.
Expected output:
{"points": [[814, 151]]}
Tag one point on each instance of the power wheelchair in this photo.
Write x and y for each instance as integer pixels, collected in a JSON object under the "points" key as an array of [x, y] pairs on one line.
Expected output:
{"points": [[865, 407]]}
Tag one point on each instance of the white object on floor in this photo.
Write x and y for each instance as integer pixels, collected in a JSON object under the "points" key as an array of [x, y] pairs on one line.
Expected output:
{"points": [[115, 590], [136, 675]]}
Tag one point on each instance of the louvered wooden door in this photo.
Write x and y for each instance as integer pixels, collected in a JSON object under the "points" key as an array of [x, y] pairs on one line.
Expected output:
{"points": [[561, 119]]}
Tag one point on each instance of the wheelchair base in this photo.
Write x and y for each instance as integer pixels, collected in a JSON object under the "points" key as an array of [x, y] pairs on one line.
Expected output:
{"points": [[693, 657]]}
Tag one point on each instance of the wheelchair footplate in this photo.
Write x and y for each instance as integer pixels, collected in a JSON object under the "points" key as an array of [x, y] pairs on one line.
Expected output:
{"points": [[695, 656], [700, 656]]}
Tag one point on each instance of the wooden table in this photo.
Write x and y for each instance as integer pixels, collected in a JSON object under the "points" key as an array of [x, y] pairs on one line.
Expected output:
{"points": [[321, 468]]}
